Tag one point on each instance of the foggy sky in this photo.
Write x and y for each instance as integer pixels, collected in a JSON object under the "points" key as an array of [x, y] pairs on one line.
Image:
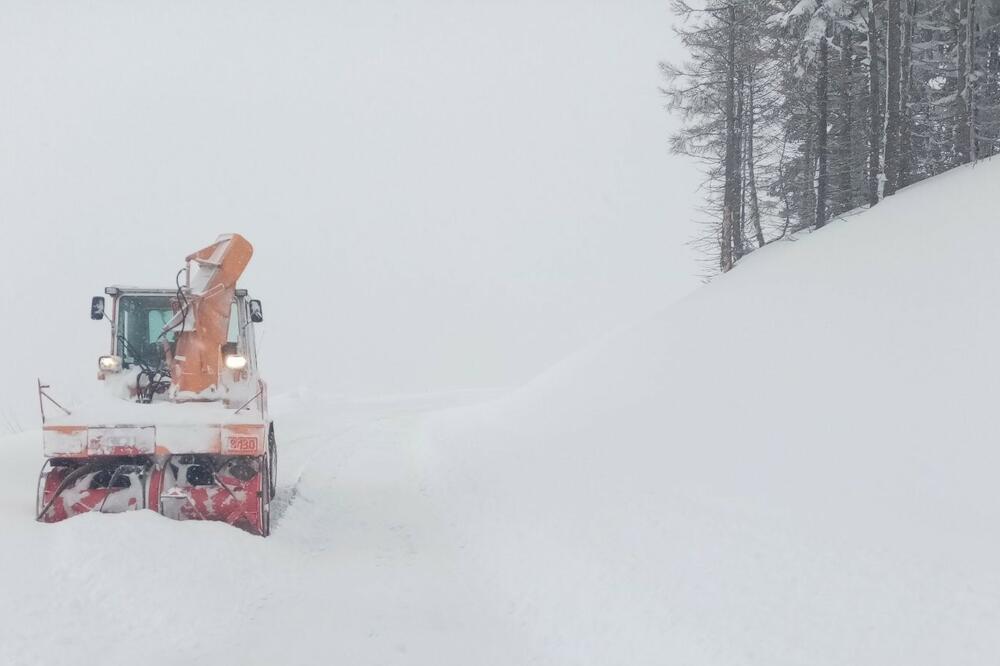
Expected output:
{"points": [[441, 194]]}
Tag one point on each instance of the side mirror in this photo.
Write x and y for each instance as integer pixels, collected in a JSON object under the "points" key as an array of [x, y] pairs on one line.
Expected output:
{"points": [[97, 307], [256, 312]]}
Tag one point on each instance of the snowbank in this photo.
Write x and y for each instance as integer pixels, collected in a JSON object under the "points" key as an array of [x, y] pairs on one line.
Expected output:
{"points": [[797, 464]]}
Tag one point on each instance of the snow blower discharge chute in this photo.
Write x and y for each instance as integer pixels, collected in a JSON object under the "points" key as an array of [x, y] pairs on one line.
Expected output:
{"points": [[182, 425]]}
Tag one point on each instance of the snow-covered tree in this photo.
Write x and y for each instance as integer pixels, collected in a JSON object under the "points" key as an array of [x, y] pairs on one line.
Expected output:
{"points": [[801, 110]]}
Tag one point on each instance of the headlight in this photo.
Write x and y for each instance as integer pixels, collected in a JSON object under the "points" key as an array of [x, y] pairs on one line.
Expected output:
{"points": [[109, 363], [236, 362]]}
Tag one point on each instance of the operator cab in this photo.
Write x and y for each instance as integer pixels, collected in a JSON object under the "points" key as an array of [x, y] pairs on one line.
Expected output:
{"points": [[141, 334]]}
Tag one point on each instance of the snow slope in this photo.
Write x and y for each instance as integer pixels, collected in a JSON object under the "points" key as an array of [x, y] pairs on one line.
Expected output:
{"points": [[795, 465]]}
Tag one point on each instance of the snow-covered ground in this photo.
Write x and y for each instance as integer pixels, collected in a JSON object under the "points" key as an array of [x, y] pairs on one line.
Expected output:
{"points": [[795, 465], [360, 568]]}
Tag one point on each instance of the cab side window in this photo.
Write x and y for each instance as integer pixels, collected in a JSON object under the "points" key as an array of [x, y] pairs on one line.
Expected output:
{"points": [[234, 325]]}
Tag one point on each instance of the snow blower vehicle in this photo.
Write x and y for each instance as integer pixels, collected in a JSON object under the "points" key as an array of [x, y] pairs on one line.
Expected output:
{"points": [[182, 425]]}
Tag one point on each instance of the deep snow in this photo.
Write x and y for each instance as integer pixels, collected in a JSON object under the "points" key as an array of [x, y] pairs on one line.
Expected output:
{"points": [[358, 569], [795, 465]]}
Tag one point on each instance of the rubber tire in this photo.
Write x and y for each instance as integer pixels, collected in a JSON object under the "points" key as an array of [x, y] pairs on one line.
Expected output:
{"points": [[272, 461], [265, 501]]}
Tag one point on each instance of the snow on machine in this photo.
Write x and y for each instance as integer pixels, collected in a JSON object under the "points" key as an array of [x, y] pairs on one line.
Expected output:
{"points": [[182, 425]]}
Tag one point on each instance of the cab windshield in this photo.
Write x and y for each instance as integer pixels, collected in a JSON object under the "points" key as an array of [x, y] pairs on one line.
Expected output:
{"points": [[140, 335], [140, 329]]}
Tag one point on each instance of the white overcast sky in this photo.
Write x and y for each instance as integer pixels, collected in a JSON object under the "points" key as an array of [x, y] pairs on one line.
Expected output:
{"points": [[448, 193]]}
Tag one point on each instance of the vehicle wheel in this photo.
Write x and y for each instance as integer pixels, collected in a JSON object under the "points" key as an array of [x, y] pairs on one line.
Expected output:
{"points": [[265, 502], [40, 497], [272, 461]]}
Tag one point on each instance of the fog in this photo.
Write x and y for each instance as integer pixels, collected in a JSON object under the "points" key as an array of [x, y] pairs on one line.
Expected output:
{"points": [[441, 194]]}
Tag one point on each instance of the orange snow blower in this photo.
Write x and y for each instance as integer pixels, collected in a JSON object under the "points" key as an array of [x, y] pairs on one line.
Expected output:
{"points": [[182, 426]]}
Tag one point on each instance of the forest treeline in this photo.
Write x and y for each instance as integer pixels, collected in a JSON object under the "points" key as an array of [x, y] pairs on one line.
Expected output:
{"points": [[802, 110]]}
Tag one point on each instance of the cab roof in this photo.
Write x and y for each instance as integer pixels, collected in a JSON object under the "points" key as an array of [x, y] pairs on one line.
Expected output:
{"points": [[116, 289]]}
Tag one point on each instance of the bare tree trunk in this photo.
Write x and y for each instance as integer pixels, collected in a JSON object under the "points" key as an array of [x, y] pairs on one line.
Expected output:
{"points": [[906, 81], [846, 141], [972, 29], [732, 172], [739, 220], [962, 130], [875, 127], [822, 122], [726, 253], [783, 183], [808, 184], [751, 176], [993, 85], [890, 164], [859, 151]]}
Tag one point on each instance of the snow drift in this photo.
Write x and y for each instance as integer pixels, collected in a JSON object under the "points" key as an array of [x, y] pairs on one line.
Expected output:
{"points": [[797, 464]]}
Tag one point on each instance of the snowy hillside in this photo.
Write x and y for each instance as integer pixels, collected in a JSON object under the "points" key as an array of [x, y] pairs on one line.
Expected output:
{"points": [[795, 465]]}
